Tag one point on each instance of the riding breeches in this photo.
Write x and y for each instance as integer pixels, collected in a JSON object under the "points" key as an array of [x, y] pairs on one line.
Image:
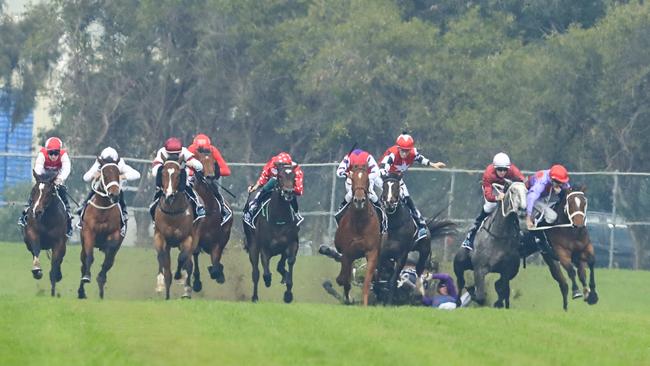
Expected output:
{"points": [[545, 211], [489, 207]]}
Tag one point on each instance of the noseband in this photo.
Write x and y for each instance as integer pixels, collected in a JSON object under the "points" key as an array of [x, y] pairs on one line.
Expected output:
{"points": [[578, 211]]}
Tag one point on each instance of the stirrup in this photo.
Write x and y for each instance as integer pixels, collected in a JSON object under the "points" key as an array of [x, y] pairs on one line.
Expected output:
{"points": [[299, 218], [467, 245], [422, 233], [248, 220], [226, 217]]}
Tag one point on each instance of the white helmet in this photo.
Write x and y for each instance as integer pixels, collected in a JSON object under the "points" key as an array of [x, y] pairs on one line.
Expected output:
{"points": [[501, 160], [109, 153]]}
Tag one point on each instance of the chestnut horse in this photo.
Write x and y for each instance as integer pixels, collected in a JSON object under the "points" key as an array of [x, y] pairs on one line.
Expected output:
{"points": [[211, 233], [173, 221], [276, 233], [570, 241], [101, 224], [358, 233], [46, 226]]}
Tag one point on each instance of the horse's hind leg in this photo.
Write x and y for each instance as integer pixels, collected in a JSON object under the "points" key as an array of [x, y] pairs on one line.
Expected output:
{"points": [[58, 252], [288, 277], [554, 267], [460, 267], [109, 259], [502, 287], [571, 272], [592, 298], [197, 286]]}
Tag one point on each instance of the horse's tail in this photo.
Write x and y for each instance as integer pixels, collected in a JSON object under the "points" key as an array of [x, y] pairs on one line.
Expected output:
{"points": [[440, 228]]}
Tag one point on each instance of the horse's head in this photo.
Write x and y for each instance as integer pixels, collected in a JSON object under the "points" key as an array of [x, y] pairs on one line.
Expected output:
{"points": [[286, 179], [173, 179], [390, 193], [515, 199], [360, 185], [43, 193], [109, 178], [575, 207], [204, 155]]}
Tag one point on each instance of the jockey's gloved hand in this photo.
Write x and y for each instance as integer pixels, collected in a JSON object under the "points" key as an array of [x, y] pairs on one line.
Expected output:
{"points": [[199, 175]]}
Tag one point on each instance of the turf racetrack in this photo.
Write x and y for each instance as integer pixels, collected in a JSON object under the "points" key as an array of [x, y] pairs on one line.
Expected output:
{"points": [[133, 326]]}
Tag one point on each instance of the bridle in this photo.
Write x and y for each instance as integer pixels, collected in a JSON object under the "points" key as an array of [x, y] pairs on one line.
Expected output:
{"points": [[100, 187], [578, 211]]}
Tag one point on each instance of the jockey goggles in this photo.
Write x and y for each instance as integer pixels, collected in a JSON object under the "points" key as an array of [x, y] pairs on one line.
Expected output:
{"points": [[501, 169], [53, 152]]}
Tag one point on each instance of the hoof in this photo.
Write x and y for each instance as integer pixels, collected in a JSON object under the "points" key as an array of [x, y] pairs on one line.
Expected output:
{"points": [[577, 295], [498, 304], [37, 273], [288, 297], [592, 299], [254, 299], [177, 276], [267, 280], [216, 273], [85, 279], [197, 286], [81, 294]]}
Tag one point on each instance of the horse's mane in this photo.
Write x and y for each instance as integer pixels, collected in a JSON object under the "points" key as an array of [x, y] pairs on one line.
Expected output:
{"points": [[47, 176]]}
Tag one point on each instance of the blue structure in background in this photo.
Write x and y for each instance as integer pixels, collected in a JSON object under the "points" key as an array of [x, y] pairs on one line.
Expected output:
{"points": [[17, 140]]}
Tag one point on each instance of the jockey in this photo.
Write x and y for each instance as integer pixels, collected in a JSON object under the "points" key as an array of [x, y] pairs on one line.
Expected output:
{"points": [[268, 180], [173, 149], [359, 157], [126, 172], [544, 190], [497, 172], [202, 143], [397, 159], [52, 157]]}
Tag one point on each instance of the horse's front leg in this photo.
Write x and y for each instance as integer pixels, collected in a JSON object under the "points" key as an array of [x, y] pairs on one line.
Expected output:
{"points": [[371, 257], [392, 285], [291, 254], [185, 262], [281, 267], [266, 258], [87, 258], [35, 249], [164, 278], [197, 285], [58, 252], [479, 283], [345, 276], [216, 270]]}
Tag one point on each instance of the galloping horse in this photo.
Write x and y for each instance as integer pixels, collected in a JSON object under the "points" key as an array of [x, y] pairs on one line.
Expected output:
{"points": [[212, 235], [497, 248], [173, 227], [101, 224], [46, 227], [276, 233], [570, 241], [402, 230], [358, 233]]}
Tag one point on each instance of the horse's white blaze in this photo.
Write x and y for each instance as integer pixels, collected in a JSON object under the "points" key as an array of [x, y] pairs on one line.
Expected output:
{"points": [[360, 174], [169, 190], [40, 194], [390, 191], [288, 171], [577, 201]]}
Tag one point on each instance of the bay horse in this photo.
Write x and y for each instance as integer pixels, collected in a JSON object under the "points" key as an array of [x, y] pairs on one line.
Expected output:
{"points": [[358, 233], [570, 240], [46, 227], [276, 233], [211, 234], [401, 235], [101, 224], [496, 249], [173, 227]]}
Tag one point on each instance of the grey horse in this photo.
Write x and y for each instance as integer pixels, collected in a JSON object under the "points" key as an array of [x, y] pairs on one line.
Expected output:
{"points": [[497, 248]]}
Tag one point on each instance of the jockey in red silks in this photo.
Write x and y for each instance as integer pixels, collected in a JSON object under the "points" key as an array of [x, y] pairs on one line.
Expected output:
{"points": [[53, 158], [203, 144], [544, 190], [397, 159], [174, 150], [497, 172], [127, 173], [267, 181], [360, 157]]}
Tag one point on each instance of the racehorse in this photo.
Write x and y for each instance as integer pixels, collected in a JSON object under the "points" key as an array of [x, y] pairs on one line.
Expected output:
{"points": [[358, 233], [497, 248], [276, 233], [212, 235], [46, 226], [401, 235], [101, 224], [570, 241], [173, 221]]}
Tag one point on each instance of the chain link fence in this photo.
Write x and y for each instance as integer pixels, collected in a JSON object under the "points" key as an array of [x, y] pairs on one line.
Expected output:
{"points": [[618, 212]]}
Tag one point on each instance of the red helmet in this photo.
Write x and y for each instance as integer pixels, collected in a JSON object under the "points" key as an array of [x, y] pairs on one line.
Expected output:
{"points": [[358, 157], [559, 173], [405, 141], [202, 140], [283, 158], [173, 145], [53, 143]]}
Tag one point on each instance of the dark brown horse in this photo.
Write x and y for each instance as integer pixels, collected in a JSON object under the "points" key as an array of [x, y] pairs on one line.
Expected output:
{"points": [[276, 233], [211, 233], [46, 227], [101, 224], [401, 235], [572, 245], [173, 222], [358, 234]]}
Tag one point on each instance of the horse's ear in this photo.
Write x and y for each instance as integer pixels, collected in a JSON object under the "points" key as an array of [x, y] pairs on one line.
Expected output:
{"points": [[582, 188], [100, 160]]}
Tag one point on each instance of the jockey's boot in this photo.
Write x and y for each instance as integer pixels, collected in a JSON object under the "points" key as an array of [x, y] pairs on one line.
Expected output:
{"points": [[423, 231], [152, 206], [383, 219], [543, 244], [339, 211], [294, 205], [81, 208], [199, 211], [330, 252], [249, 215], [468, 243], [125, 215], [226, 212], [63, 194], [22, 220]]}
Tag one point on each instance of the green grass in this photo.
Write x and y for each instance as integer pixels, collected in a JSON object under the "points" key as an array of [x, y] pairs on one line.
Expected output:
{"points": [[134, 326]]}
